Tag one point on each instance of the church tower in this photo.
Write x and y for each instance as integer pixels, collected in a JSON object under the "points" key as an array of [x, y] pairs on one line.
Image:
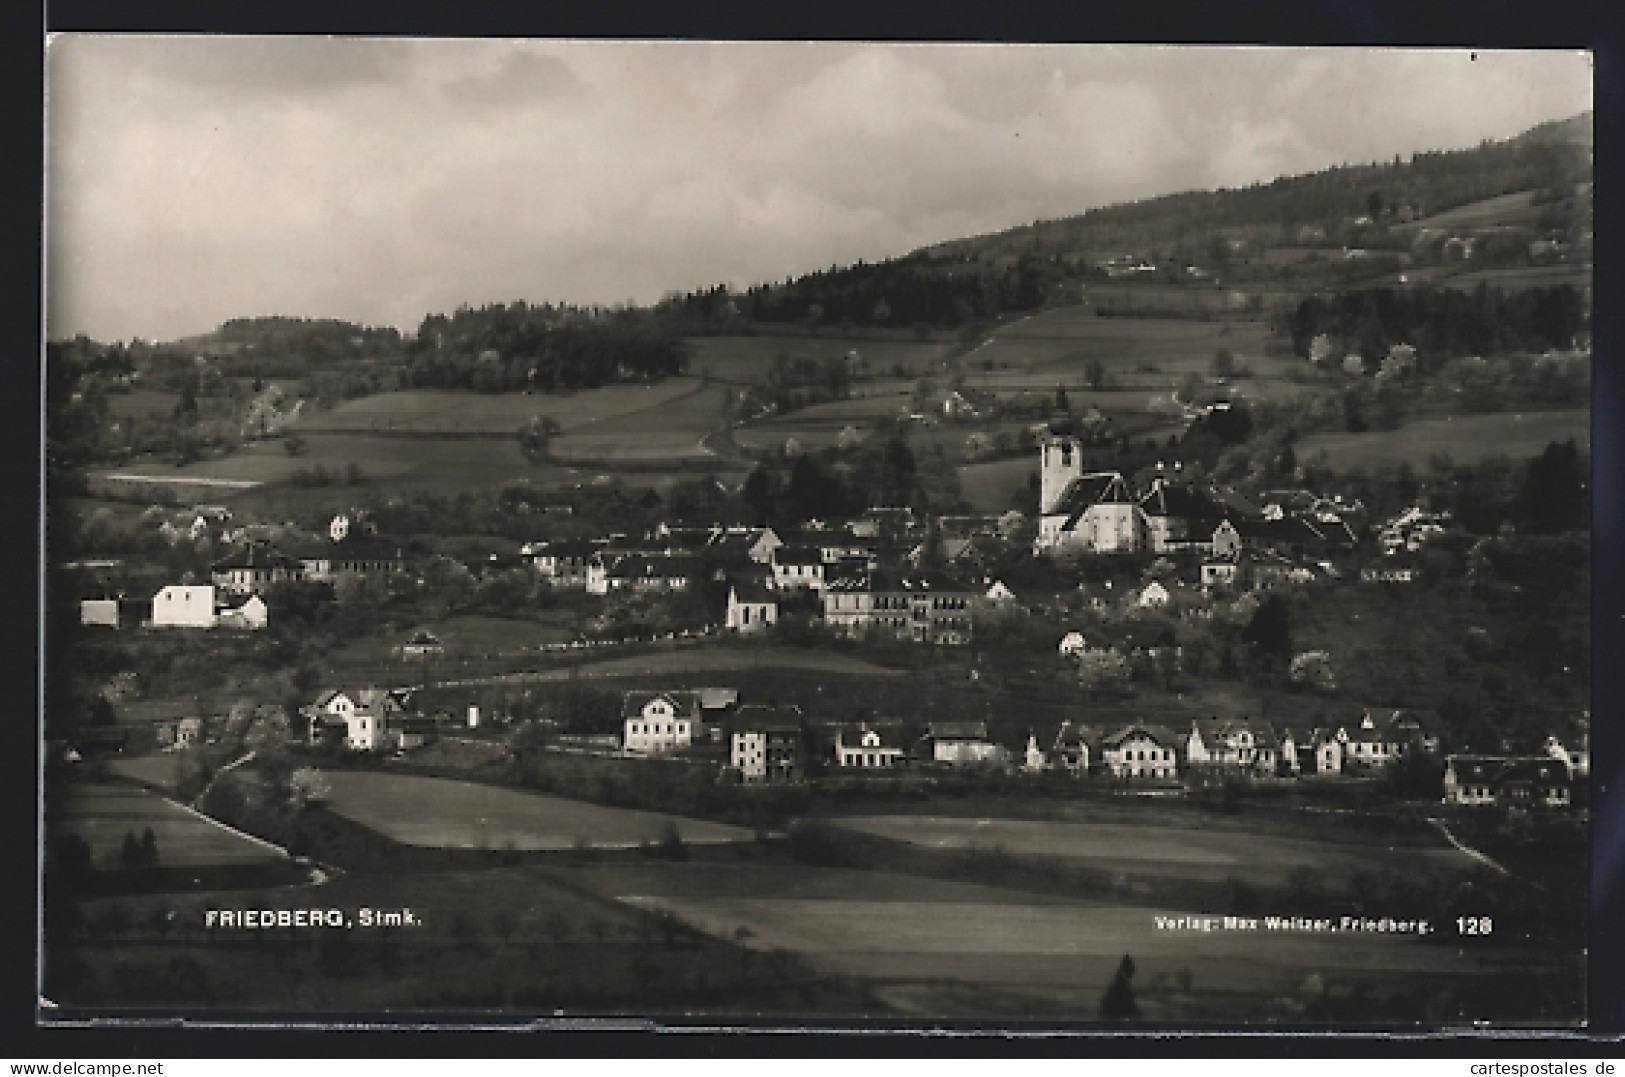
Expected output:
{"points": [[1060, 461]]}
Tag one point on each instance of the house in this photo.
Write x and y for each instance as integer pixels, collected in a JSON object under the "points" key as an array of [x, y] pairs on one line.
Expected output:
{"points": [[608, 572], [1076, 748], [1073, 644], [1573, 753], [1033, 758], [1178, 515], [1534, 783], [255, 568], [1140, 752], [188, 732], [864, 748], [1538, 782], [1225, 541], [922, 607], [1329, 755], [1221, 573], [1153, 596], [1083, 512], [752, 606], [422, 644], [766, 743], [184, 606], [1247, 745], [657, 722], [355, 553], [236, 611], [962, 743], [562, 564], [1369, 748], [103, 612], [998, 594], [798, 568], [363, 716]]}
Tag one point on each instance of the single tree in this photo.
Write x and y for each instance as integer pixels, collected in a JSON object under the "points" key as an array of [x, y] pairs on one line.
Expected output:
{"points": [[1118, 1004]]}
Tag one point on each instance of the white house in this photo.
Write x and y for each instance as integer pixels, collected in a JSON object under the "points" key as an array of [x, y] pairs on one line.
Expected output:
{"points": [[184, 606], [656, 722], [1153, 596], [250, 614], [963, 742], [1241, 744], [99, 611], [798, 568], [862, 748], [998, 594], [1073, 644], [1141, 751], [751, 607], [1033, 758]]}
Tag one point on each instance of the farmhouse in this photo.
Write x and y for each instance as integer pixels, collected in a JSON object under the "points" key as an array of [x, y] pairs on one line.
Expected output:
{"points": [[356, 553], [1538, 782], [1081, 512], [962, 742], [184, 606], [798, 568], [1077, 748], [1238, 744], [864, 748], [766, 743], [657, 722], [923, 607], [249, 613], [255, 568], [1153, 596], [421, 644], [562, 564], [752, 606], [1141, 751]]}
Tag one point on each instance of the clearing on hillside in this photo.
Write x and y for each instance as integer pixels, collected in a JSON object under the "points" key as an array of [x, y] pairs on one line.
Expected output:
{"points": [[1465, 439]]}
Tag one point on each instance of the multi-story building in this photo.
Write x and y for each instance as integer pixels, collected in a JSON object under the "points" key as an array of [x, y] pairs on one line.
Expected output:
{"points": [[658, 722], [254, 568], [923, 607], [766, 743]]}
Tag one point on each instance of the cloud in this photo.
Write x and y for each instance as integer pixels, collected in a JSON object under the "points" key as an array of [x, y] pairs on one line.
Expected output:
{"points": [[196, 179]]}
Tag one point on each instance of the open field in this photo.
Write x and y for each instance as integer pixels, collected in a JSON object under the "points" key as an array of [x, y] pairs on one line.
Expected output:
{"points": [[745, 359], [467, 634], [701, 658], [958, 949], [103, 814], [1502, 211], [990, 486], [1465, 439], [1195, 853], [439, 813], [160, 770], [448, 412]]}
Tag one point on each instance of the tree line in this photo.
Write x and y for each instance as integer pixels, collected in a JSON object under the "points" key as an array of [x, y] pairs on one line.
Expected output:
{"points": [[1440, 322]]}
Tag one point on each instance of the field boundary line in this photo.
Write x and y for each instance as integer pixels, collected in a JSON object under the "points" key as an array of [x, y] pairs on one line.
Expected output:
{"points": [[1482, 858], [211, 820]]}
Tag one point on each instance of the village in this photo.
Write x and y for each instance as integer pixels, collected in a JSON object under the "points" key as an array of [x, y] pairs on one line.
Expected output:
{"points": [[889, 575]]}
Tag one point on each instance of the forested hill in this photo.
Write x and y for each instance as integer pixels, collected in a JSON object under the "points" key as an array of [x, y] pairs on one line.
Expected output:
{"points": [[1550, 158]]}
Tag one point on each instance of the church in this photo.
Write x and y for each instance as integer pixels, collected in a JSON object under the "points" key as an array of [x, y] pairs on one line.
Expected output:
{"points": [[1083, 512]]}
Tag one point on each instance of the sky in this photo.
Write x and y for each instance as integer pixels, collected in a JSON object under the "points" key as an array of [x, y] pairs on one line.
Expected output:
{"points": [[190, 180]]}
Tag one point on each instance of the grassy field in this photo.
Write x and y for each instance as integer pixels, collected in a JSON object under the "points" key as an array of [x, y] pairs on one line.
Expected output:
{"points": [[1465, 439], [103, 814], [443, 411], [1195, 853], [937, 948], [741, 360], [439, 813], [1502, 211], [990, 486]]}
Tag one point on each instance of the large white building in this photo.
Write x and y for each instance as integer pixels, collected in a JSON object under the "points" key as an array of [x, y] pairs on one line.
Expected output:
{"points": [[656, 722], [1079, 511], [184, 606]]}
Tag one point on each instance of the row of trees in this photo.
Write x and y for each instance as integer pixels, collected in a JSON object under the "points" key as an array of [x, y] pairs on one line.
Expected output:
{"points": [[1440, 322]]}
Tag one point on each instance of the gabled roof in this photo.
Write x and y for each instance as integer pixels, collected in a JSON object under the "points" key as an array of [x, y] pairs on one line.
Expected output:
{"points": [[1071, 735], [1219, 730], [797, 555], [1545, 771], [1180, 499], [1086, 491], [1162, 735], [850, 735], [962, 730], [574, 548], [686, 704], [712, 699], [1476, 768], [256, 556], [642, 566]]}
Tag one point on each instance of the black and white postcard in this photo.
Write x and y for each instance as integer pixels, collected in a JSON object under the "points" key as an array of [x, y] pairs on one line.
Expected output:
{"points": [[1088, 537]]}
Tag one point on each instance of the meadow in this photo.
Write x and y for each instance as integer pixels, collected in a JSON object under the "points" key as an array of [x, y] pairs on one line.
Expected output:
{"points": [[102, 814], [1465, 439], [744, 359], [441, 813], [432, 411], [1180, 852]]}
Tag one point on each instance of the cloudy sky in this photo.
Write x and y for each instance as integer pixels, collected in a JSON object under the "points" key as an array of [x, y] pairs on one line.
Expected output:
{"points": [[191, 180]]}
